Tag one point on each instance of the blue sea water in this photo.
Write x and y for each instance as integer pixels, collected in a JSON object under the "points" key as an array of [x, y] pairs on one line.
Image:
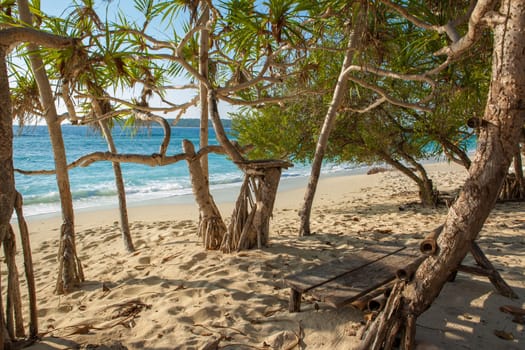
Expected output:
{"points": [[94, 186]]}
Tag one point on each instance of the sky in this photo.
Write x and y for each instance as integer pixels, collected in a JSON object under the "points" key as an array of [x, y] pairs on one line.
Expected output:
{"points": [[61, 7]]}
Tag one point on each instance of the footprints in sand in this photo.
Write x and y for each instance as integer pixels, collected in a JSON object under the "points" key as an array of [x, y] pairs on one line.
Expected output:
{"points": [[193, 260]]}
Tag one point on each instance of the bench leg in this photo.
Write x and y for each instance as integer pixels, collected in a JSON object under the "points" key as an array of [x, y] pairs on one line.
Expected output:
{"points": [[295, 301]]}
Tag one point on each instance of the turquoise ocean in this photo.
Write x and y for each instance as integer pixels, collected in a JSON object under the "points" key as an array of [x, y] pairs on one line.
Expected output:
{"points": [[94, 186]]}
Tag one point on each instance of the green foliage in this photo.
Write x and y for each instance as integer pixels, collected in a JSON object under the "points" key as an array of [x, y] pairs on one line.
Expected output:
{"points": [[390, 43], [293, 50], [278, 133]]}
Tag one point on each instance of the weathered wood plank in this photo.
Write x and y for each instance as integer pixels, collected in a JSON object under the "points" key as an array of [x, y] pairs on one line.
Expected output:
{"points": [[352, 286], [312, 278]]}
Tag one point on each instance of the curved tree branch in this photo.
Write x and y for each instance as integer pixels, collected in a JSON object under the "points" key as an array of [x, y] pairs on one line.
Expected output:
{"points": [[151, 160], [449, 28], [368, 108], [389, 98], [229, 148], [17, 35], [476, 23], [165, 126]]}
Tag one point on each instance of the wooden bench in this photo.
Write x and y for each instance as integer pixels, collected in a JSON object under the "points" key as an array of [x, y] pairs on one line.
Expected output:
{"points": [[351, 277]]}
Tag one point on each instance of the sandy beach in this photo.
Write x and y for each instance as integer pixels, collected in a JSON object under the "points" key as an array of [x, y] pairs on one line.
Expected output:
{"points": [[172, 294]]}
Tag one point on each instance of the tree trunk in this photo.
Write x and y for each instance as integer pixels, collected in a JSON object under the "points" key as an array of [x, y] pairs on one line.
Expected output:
{"points": [[250, 223], [454, 153], [329, 121], [518, 170], [7, 179], [220, 133], [15, 322], [427, 194], [28, 267], [503, 119], [70, 273], [500, 132], [211, 225], [204, 47], [11, 320], [121, 190]]}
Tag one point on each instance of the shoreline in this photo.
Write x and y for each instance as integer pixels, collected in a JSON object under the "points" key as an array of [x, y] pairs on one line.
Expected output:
{"points": [[223, 197], [332, 188]]}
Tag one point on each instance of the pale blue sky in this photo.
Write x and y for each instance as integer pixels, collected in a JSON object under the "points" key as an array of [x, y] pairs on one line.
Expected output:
{"points": [[60, 8]]}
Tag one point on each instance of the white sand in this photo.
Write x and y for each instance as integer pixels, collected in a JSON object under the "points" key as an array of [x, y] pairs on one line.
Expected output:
{"points": [[172, 294]]}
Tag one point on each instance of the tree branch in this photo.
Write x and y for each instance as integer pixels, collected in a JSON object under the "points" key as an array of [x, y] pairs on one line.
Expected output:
{"points": [[13, 36], [389, 98], [390, 74], [165, 126], [449, 28], [151, 160], [368, 108], [476, 23]]}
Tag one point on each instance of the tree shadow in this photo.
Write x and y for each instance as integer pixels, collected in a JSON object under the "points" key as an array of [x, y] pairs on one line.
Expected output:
{"points": [[466, 315]]}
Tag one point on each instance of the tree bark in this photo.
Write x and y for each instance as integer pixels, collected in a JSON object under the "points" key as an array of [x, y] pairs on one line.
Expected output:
{"points": [[204, 47], [504, 116], [15, 322], [518, 170], [454, 153], [70, 273], [329, 121], [211, 225], [427, 195], [7, 179], [121, 190], [220, 133], [28, 267]]}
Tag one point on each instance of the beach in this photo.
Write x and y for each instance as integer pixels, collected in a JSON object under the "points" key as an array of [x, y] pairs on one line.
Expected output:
{"points": [[172, 294]]}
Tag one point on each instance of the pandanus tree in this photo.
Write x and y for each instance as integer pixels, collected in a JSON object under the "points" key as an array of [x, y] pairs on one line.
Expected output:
{"points": [[70, 272], [240, 72], [88, 73], [386, 136], [250, 48], [12, 34]]}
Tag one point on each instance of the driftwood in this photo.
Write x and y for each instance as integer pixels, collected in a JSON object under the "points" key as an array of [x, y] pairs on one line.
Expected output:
{"points": [[392, 322], [485, 268], [365, 302], [377, 303], [384, 328]]}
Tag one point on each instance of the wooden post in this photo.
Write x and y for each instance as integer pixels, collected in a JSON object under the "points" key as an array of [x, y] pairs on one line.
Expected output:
{"points": [[295, 301], [493, 275]]}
